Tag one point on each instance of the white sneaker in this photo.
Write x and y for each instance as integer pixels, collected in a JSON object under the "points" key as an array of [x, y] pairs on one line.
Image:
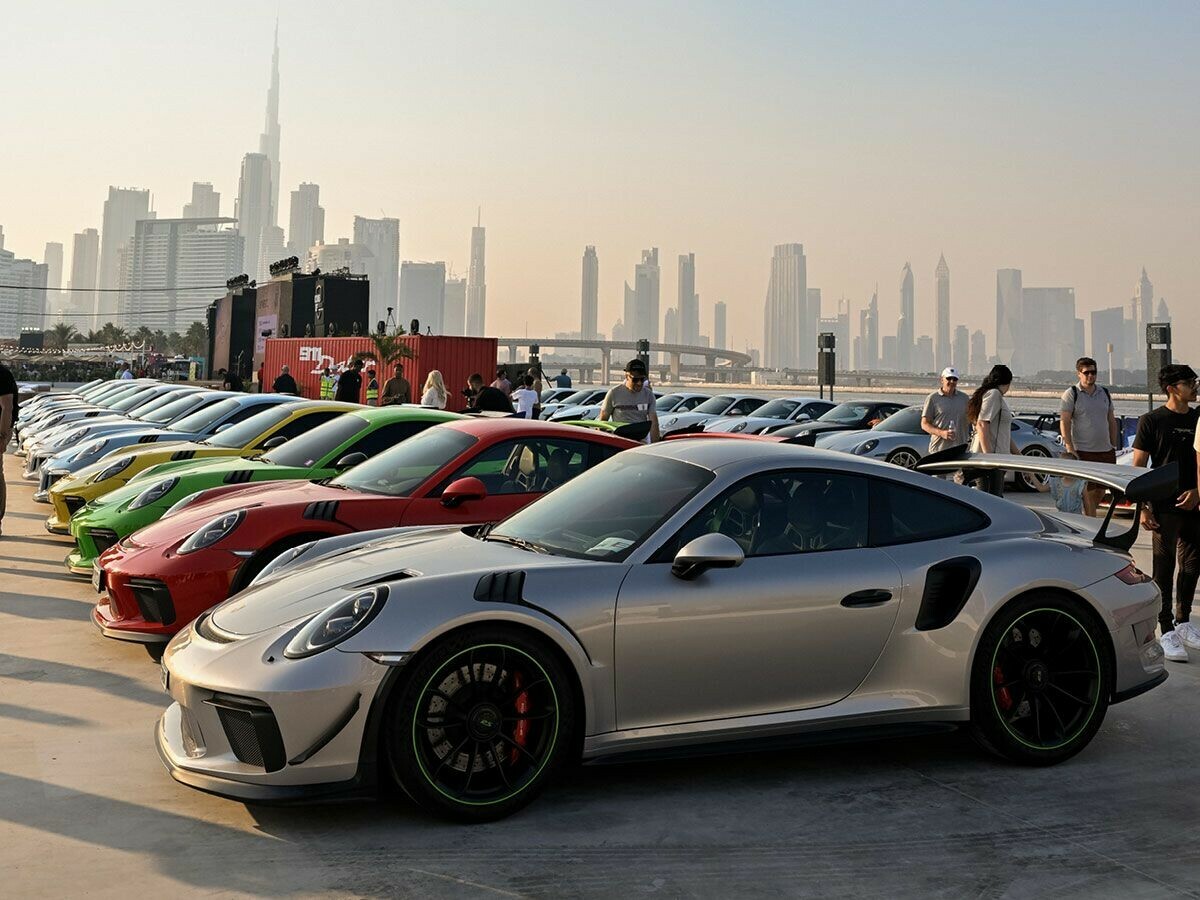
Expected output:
{"points": [[1173, 647], [1189, 634]]}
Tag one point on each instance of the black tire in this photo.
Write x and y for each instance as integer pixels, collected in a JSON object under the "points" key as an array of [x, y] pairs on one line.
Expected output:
{"points": [[480, 725], [155, 651], [1041, 680]]}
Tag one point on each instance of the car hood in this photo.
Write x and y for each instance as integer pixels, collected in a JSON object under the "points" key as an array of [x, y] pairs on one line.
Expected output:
{"points": [[423, 553], [212, 465], [847, 440], [673, 421], [747, 423]]}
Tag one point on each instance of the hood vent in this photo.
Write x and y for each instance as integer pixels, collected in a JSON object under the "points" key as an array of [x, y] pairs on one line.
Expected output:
{"points": [[501, 587], [148, 439], [322, 510], [380, 579], [241, 476], [182, 454]]}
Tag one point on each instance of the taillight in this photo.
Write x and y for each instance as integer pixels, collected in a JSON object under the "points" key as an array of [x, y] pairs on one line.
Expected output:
{"points": [[1131, 574]]}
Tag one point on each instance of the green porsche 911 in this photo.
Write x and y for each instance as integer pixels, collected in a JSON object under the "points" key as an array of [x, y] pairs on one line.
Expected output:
{"points": [[328, 449]]}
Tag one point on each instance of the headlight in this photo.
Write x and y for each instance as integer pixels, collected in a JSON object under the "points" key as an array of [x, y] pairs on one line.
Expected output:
{"points": [[218, 529], [93, 447], [740, 426], [54, 420], [867, 446], [671, 421], [113, 470], [154, 494], [336, 623], [180, 504], [283, 560]]}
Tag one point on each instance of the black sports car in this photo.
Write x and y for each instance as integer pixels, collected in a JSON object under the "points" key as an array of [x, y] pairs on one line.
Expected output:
{"points": [[848, 416]]}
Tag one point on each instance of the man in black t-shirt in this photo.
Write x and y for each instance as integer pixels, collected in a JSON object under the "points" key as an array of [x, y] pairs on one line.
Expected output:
{"points": [[1164, 436], [8, 418], [349, 386]]}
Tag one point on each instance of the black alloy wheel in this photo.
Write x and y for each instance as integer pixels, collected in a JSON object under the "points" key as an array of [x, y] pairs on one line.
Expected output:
{"points": [[480, 725], [1041, 680]]}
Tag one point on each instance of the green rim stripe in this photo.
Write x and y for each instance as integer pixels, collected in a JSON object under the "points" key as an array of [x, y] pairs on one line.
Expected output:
{"points": [[992, 669], [549, 751]]}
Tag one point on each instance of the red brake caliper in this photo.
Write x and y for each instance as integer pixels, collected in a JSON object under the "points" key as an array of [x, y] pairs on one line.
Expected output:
{"points": [[521, 733], [1002, 695]]}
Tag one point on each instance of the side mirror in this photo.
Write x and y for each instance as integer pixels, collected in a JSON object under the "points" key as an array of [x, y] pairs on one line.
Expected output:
{"points": [[462, 490], [709, 551], [350, 459], [224, 427], [274, 442], [804, 417]]}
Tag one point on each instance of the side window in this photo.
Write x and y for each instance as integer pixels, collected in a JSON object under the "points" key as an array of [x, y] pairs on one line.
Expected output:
{"points": [[901, 514], [691, 403], [816, 410], [784, 512], [525, 466], [245, 412], [386, 437], [299, 426], [745, 407]]}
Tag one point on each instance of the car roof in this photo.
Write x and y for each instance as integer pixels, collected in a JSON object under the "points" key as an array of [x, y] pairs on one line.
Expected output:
{"points": [[402, 411], [306, 405], [516, 427]]}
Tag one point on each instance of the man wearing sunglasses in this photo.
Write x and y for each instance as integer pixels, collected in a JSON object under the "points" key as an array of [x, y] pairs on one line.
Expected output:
{"points": [[944, 416], [1166, 435], [632, 401], [1089, 427]]}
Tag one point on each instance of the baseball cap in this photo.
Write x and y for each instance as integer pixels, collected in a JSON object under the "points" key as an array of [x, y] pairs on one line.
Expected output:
{"points": [[636, 366], [949, 372]]}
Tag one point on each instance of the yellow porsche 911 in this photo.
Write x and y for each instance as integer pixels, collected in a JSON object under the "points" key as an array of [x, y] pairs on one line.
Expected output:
{"points": [[265, 427]]}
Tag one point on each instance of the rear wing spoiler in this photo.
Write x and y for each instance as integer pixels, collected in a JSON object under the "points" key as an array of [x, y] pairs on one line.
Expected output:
{"points": [[1138, 485]]}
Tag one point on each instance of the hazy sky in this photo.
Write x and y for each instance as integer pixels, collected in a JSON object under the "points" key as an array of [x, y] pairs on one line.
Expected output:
{"points": [[1057, 138]]}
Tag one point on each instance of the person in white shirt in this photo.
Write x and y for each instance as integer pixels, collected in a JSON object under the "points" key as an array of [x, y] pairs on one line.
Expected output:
{"points": [[526, 398], [434, 392], [124, 372]]}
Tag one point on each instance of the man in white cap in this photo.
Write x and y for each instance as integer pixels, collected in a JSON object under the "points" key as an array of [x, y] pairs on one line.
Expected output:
{"points": [[944, 417]]}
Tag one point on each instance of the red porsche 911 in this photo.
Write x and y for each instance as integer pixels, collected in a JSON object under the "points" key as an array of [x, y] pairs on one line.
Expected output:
{"points": [[478, 470]]}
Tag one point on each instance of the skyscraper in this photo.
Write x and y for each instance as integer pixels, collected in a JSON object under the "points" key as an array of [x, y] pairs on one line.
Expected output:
{"points": [[1108, 327], [1048, 321], [979, 358], [646, 279], [123, 208], [341, 254], [253, 209], [22, 294], [306, 221], [689, 302], [785, 307], [1144, 291], [960, 356], [941, 337], [168, 256], [85, 254], [671, 326], [206, 203], [271, 248], [382, 238], [906, 328], [268, 141], [1163, 313], [423, 295], [810, 326], [590, 295], [1009, 310], [922, 358], [477, 284], [870, 333], [720, 337], [52, 258], [454, 315]]}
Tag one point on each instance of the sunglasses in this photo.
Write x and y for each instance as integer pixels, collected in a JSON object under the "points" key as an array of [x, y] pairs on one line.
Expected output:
{"points": [[1091, 372], [951, 379], [637, 379]]}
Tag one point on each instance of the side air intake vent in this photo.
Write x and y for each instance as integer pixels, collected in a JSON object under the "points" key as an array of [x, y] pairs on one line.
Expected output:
{"points": [[148, 439], [947, 587], [241, 476], [321, 510], [182, 454], [500, 587]]}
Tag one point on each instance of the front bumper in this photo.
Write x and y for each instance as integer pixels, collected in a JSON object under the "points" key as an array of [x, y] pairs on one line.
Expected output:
{"points": [[250, 724]]}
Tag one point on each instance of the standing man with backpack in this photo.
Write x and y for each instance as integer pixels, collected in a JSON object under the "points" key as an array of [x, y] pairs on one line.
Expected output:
{"points": [[1089, 426]]}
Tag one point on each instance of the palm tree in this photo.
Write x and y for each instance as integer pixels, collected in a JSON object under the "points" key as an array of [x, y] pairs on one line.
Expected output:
{"points": [[160, 341], [113, 334], [61, 335], [144, 335], [195, 342], [389, 349]]}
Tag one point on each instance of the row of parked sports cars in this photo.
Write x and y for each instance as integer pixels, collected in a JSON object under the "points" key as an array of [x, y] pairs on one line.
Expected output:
{"points": [[459, 605]]}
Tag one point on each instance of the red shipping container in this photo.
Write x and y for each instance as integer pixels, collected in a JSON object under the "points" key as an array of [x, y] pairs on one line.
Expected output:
{"points": [[455, 357]]}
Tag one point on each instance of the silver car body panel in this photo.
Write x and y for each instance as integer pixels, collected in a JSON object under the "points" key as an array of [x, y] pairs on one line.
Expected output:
{"points": [[763, 649]]}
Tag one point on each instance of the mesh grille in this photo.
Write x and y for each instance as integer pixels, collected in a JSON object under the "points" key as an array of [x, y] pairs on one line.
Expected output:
{"points": [[103, 538], [153, 600], [74, 504], [241, 734]]}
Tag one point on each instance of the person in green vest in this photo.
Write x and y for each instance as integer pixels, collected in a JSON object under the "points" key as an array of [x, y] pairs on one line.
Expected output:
{"points": [[372, 388], [326, 385]]}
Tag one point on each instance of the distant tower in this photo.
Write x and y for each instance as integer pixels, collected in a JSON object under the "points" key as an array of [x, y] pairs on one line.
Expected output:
{"points": [[1009, 308], [52, 258], [941, 340], [1145, 294], [671, 326], [689, 302], [306, 220], [382, 238], [647, 278], [785, 308], [206, 203], [589, 300], [870, 333], [268, 141], [906, 328], [122, 210], [477, 282], [253, 210], [85, 252], [719, 334], [979, 360]]}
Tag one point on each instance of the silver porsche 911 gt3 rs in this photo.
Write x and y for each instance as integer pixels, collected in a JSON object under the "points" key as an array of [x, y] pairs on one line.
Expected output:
{"points": [[696, 592]]}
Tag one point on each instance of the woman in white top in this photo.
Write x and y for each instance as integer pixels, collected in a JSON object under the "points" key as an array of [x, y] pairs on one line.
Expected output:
{"points": [[988, 411], [434, 392]]}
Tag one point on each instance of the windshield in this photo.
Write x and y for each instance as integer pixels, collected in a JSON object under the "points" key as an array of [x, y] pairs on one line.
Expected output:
{"points": [[133, 401], [667, 402], [201, 420], [550, 393], [110, 401], [174, 408], [906, 421], [777, 409], [245, 432], [574, 399], [405, 467], [607, 512], [163, 399], [716, 404], [846, 412], [306, 450]]}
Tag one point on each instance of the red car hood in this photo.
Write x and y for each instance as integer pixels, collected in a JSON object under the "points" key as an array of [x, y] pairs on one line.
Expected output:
{"points": [[285, 498]]}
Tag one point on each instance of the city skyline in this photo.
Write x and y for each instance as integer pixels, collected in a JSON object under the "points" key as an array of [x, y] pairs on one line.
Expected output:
{"points": [[1117, 212]]}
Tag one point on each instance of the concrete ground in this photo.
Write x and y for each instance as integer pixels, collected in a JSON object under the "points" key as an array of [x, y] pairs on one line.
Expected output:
{"points": [[87, 809]]}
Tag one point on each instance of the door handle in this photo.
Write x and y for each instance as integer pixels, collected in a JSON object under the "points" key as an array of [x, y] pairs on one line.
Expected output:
{"points": [[866, 598]]}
